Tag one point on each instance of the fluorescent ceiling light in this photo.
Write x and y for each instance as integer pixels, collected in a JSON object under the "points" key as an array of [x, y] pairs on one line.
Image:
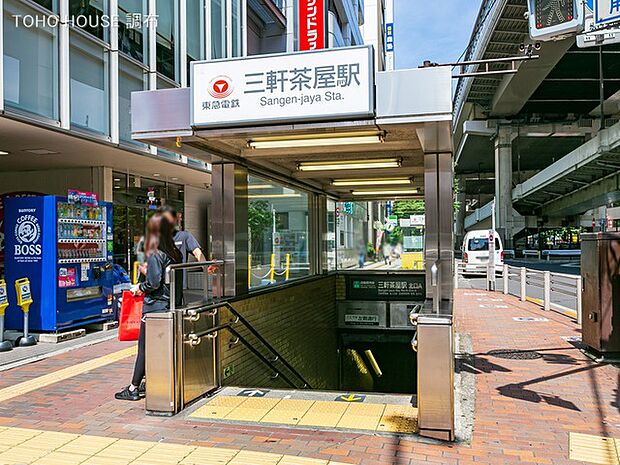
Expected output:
{"points": [[348, 138], [2, 152], [40, 151], [349, 164], [272, 196], [371, 182], [260, 186], [386, 192]]}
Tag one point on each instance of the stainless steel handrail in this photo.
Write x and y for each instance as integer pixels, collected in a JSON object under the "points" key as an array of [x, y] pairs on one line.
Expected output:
{"points": [[193, 313]]}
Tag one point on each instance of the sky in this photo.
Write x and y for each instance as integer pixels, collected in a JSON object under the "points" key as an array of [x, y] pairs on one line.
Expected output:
{"points": [[437, 30]]}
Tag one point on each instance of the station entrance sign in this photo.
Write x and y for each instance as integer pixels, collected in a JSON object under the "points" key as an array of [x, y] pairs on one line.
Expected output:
{"points": [[317, 85]]}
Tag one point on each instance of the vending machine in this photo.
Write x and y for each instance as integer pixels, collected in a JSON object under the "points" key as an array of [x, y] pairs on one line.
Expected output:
{"points": [[63, 245]]}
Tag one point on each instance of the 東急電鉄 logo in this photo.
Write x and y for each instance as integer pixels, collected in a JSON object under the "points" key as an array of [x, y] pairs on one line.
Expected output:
{"points": [[220, 87]]}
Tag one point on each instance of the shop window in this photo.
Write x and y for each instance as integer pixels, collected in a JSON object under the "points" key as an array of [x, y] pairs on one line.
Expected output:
{"points": [[88, 63], [195, 33], [30, 63], [88, 15], [218, 29], [278, 232], [167, 38], [131, 78], [133, 24]]}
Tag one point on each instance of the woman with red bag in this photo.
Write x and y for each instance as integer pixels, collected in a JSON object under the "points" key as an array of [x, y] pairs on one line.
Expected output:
{"points": [[160, 252]]}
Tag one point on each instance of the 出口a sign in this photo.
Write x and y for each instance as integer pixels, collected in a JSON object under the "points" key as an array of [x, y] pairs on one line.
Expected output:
{"points": [[386, 287], [322, 84]]}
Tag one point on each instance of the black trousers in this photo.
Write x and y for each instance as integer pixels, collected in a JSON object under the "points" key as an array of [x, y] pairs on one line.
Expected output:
{"points": [[139, 368]]}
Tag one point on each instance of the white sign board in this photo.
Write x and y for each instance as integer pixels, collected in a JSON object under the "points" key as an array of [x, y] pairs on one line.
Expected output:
{"points": [[316, 85], [606, 11]]}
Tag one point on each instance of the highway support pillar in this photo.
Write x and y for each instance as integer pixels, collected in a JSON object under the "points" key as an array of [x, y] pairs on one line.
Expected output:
{"points": [[503, 184]]}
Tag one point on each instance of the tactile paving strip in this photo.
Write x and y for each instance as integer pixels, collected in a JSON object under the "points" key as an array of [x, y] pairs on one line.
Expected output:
{"points": [[65, 373], [54, 449], [300, 412], [594, 449]]}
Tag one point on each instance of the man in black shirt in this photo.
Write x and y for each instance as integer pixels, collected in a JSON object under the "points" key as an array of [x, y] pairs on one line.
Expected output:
{"points": [[184, 240]]}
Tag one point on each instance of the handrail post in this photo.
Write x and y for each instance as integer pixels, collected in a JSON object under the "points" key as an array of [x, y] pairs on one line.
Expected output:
{"points": [[547, 290], [523, 283], [579, 288], [249, 270], [272, 272], [505, 277], [456, 275], [288, 266]]}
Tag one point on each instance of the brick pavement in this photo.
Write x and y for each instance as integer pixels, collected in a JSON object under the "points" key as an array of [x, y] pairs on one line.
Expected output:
{"points": [[525, 409]]}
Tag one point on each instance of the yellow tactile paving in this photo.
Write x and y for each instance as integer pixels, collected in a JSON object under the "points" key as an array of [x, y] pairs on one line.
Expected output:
{"points": [[399, 419], [362, 416], [324, 413], [218, 407], [253, 409], [125, 452], [593, 449], [288, 411], [65, 373], [327, 414]]}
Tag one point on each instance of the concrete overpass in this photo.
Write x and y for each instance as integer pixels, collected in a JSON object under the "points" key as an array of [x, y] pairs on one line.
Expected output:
{"points": [[518, 135]]}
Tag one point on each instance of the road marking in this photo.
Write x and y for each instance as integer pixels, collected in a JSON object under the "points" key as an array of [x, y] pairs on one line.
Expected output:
{"points": [[63, 374], [253, 393], [350, 398], [52, 448]]}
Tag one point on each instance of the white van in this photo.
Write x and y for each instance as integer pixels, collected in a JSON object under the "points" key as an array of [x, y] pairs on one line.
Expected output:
{"points": [[476, 251]]}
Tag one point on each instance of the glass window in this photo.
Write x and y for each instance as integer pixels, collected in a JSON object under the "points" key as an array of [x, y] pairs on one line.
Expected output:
{"points": [[87, 15], [329, 247], [380, 235], [166, 38], [218, 29], [164, 83], [131, 78], [30, 64], [278, 232], [195, 33], [132, 29], [236, 28], [88, 63]]}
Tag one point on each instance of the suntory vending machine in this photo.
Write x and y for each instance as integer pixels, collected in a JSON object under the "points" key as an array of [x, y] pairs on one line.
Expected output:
{"points": [[63, 245]]}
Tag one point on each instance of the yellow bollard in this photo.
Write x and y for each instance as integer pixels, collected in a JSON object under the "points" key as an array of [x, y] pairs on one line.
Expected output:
{"points": [[134, 272], [24, 300], [272, 273], [288, 266], [5, 346], [249, 271]]}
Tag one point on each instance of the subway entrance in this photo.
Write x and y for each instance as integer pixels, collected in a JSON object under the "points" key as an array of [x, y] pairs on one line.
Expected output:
{"points": [[323, 274]]}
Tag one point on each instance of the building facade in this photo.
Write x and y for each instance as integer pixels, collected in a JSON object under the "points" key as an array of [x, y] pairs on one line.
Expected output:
{"points": [[378, 31], [68, 71]]}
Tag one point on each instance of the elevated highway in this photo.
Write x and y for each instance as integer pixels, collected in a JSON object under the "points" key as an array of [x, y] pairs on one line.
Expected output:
{"points": [[532, 139]]}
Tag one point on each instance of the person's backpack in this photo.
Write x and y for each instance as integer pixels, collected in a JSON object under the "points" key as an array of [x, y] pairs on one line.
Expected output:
{"points": [[120, 275]]}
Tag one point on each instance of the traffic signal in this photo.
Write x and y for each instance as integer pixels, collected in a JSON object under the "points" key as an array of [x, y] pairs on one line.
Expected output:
{"points": [[555, 19]]}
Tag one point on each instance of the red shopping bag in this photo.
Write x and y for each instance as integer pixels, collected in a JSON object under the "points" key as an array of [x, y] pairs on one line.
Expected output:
{"points": [[131, 314]]}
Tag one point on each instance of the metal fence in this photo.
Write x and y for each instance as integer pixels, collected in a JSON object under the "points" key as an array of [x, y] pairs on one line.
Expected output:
{"points": [[559, 292]]}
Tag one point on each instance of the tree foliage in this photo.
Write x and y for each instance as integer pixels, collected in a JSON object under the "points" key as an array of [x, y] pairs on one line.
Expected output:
{"points": [[406, 208], [259, 221]]}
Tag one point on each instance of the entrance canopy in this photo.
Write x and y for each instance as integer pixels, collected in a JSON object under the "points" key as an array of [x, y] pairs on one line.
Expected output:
{"points": [[319, 118], [319, 121]]}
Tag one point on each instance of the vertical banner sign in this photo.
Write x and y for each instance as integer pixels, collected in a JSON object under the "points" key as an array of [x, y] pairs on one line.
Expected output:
{"points": [[311, 24]]}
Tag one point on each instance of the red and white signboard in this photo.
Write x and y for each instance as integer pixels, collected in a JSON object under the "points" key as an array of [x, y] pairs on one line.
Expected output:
{"points": [[311, 24]]}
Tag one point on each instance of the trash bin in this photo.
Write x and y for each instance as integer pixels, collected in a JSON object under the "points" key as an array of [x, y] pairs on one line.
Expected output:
{"points": [[600, 272]]}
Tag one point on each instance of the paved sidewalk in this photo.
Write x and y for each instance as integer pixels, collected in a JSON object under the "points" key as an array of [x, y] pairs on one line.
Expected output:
{"points": [[525, 409]]}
